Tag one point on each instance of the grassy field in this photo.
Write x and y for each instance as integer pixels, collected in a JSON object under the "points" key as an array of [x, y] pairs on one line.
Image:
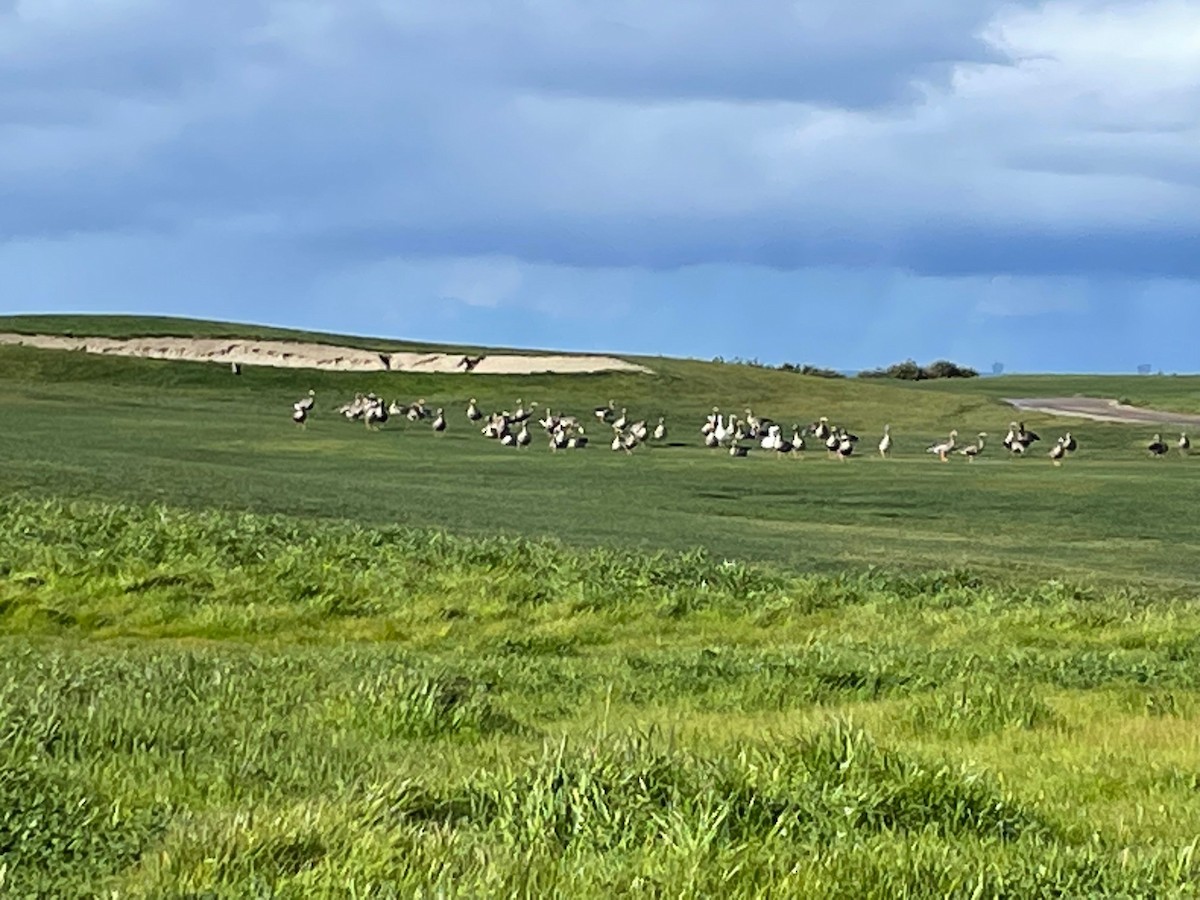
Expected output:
{"points": [[245, 660]]}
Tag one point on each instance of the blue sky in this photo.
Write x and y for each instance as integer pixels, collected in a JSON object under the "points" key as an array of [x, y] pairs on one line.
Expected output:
{"points": [[840, 182]]}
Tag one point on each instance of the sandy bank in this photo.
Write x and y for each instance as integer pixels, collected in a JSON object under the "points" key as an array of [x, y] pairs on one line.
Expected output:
{"points": [[299, 355]]}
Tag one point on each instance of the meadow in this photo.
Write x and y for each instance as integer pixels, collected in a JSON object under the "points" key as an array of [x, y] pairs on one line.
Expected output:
{"points": [[245, 660]]}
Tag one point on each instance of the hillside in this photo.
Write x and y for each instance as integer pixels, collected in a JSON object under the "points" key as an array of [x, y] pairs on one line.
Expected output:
{"points": [[193, 434], [243, 658]]}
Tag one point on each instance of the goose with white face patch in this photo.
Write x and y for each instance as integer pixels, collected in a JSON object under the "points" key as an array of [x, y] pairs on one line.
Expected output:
{"points": [[945, 447]]}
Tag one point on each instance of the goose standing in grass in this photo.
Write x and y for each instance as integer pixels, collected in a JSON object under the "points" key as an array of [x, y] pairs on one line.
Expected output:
{"points": [[736, 450], [945, 446], [622, 420], [722, 431], [606, 413], [820, 428], [885, 442], [439, 421], [798, 444], [711, 440], [639, 430], [973, 450], [832, 441], [660, 430], [1183, 444], [1058, 451], [473, 412], [523, 436], [1010, 440], [846, 442], [306, 403], [577, 441], [1156, 447], [1070, 445], [302, 407], [376, 414], [1025, 437]]}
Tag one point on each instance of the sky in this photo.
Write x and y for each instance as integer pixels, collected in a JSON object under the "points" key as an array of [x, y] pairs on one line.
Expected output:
{"points": [[846, 183]]}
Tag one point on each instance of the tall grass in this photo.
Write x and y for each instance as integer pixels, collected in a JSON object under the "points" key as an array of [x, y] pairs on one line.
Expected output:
{"points": [[228, 705]]}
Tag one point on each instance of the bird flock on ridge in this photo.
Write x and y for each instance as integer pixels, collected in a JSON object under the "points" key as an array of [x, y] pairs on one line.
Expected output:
{"points": [[736, 435]]}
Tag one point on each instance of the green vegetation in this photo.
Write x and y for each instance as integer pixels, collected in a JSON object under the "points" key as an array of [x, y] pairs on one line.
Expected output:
{"points": [[212, 704], [239, 659], [909, 370]]}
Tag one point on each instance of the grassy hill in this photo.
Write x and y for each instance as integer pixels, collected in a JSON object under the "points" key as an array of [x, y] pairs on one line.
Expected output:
{"points": [[238, 658], [192, 434]]}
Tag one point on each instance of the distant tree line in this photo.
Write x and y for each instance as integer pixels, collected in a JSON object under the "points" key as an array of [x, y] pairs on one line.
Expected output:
{"points": [[905, 371], [798, 368], [911, 371]]}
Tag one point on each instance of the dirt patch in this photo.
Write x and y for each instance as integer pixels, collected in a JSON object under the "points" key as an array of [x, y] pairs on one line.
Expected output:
{"points": [[299, 355], [1099, 409]]}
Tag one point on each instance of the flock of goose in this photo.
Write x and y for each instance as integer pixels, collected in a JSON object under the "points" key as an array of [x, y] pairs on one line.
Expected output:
{"points": [[566, 432]]}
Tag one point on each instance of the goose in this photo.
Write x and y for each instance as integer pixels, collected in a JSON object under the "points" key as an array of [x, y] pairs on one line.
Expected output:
{"points": [[299, 416], [846, 444], [617, 442], [606, 413], [973, 450], [1010, 439], [1058, 451], [376, 414], [523, 436], [1026, 437], [660, 430], [945, 446], [439, 422], [832, 441], [797, 440], [416, 411], [736, 450], [622, 420], [306, 403], [1183, 444], [1070, 445], [639, 430], [721, 431], [885, 442], [710, 421], [773, 440], [578, 441], [711, 440], [558, 440], [473, 412], [1156, 447], [820, 428], [508, 439]]}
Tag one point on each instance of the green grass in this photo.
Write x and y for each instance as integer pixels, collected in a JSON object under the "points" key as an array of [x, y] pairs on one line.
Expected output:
{"points": [[193, 435], [238, 659], [228, 705]]}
